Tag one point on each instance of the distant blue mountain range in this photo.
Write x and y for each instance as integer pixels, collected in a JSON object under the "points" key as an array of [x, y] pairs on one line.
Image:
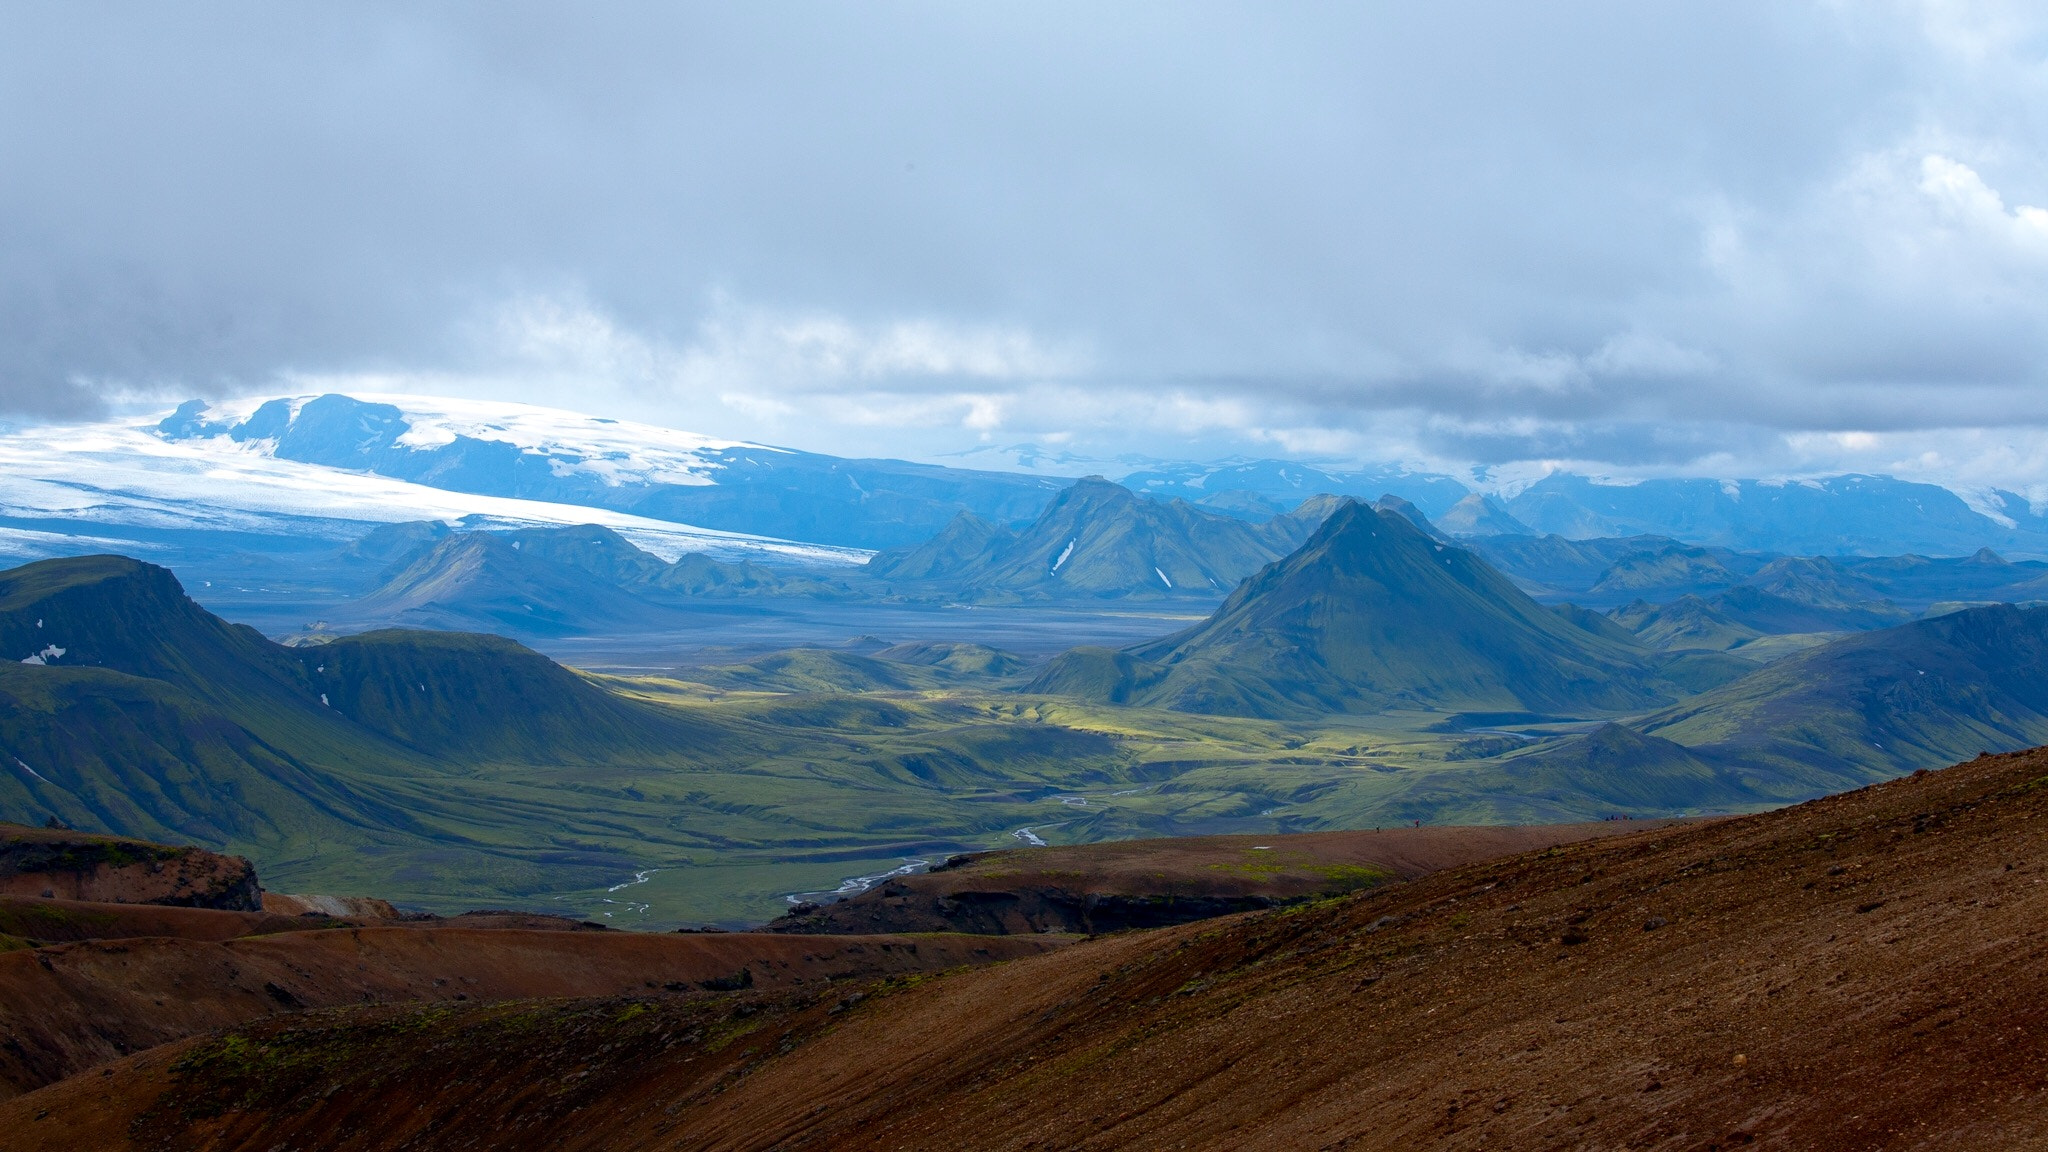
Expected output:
{"points": [[256, 475], [1838, 516]]}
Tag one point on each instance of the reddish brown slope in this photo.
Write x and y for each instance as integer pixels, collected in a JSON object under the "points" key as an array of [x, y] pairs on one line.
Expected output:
{"points": [[1868, 971], [55, 921], [70, 1007]]}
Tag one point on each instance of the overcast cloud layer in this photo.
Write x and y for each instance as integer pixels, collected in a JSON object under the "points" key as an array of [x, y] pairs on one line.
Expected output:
{"points": [[1711, 238]]}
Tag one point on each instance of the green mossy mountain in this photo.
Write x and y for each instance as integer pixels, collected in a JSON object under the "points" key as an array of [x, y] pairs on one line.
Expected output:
{"points": [[1689, 622], [1675, 566], [1612, 771], [1598, 623], [471, 698], [1872, 705], [1553, 564], [1787, 596], [552, 581], [962, 547], [1372, 614], [1097, 540], [149, 716], [450, 769]]}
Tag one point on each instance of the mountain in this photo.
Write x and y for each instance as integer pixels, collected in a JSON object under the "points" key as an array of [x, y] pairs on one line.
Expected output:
{"points": [[1788, 595], [1598, 623], [1409, 512], [1674, 568], [551, 581], [1372, 614], [1775, 613], [484, 581], [1687, 622], [1877, 704], [964, 545], [1096, 539], [1554, 566], [1618, 770], [558, 457], [442, 769], [1480, 515], [143, 714], [186, 491], [1260, 487], [1840, 515]]}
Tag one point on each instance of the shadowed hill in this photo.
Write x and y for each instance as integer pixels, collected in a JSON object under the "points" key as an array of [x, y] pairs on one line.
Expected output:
{"points": [[122, 615], [463, 697], [1857, 710], [1880, 703], [150, 717], [486, 580]]}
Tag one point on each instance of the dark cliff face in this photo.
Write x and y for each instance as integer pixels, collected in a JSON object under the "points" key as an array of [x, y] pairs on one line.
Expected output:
{"points": [[1018, 911], [82, 866]]}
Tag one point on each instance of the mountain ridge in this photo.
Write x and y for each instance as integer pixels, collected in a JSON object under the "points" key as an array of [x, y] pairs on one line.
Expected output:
{"points": [[1369, 613]]}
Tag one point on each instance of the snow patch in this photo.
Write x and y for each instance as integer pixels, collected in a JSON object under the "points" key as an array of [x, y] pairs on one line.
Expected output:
{"points": [[1064, 553], [31, 771], [1988, 503], [50, 652], [1162, 577], [121, 474]]}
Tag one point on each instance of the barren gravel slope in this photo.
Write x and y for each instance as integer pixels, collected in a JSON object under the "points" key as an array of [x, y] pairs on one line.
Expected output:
{"points": [[1865, 971]]}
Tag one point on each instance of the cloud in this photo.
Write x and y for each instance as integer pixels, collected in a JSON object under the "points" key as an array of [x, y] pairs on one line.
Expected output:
{"points": [[825, 352], [1487, 234]]}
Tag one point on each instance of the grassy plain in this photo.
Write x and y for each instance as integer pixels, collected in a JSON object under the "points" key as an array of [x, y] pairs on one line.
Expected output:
{"points": [[833, 786]]}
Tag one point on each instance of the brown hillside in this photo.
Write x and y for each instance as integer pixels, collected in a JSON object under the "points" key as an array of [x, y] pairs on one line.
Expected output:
{"points": [[35, 921], [70, 1007], [63, 921], [1155, 883], [1866, 971]]}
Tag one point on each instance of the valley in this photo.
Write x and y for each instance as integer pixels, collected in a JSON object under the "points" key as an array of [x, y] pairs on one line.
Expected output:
{"points": [[1024, 578], [679, 773]]}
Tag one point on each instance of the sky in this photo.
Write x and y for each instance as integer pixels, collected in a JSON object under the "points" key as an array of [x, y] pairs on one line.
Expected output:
{"points": [[1497, 238]]}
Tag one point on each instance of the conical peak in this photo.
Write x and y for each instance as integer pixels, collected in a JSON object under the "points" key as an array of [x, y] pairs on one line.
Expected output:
{"points": [[1353, 524], [1093, 491]]}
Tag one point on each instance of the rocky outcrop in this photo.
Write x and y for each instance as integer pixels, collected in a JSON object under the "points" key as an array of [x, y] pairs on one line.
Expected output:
{"points": [[62, 864], [338, 907]]}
